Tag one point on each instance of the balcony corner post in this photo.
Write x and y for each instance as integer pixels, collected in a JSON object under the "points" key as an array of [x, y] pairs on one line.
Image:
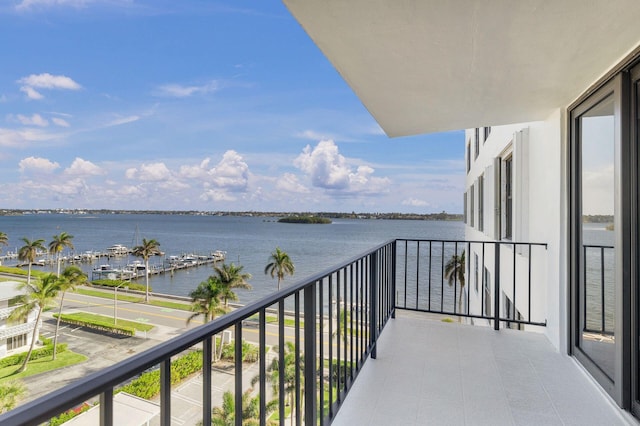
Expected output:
{"points": [[165, 392], [393, 280], [496, 288], [106, 408], [310, 368]]}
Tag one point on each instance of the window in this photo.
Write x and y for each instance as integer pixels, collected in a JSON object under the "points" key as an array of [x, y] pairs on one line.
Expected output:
{"points": [[468, 156], [464, 208], [508, 198], [487, 132], [481, 203], [477, 144], [471, 211], [16, 342]]}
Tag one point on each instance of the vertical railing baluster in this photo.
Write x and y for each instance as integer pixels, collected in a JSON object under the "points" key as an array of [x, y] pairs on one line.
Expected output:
{"points": [[468, 255], [207, 360], [406, 270], [455, 277], [417, 273], [496, 287], [514, 283], [238, 373], [320, 285], [602, 287], [106, 408], [351, 314], [344, 326], [165, 392], [298, 385], [482, 310], [583, 301], [310, 360], [430, 255], [442, 279], [338, 336], [373, 282], [262, 339], [330, 338], [281, 361], [529, 283], [393, 278]]}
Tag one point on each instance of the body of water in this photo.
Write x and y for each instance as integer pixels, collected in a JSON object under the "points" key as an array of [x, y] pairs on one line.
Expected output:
{"points": [[247, 240]]}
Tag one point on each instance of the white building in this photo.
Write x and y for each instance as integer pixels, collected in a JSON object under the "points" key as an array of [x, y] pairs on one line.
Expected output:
{"points": [[14, 336], [571, 69]]}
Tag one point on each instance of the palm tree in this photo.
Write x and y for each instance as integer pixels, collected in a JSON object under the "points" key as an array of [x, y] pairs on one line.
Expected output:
{"points": [[225, 415], [230, 277], [289, 374], [71, 277], [280, 265], [58, 244], [454, 270], [146, 250], [38, 295], [4, 239], [205, 301], [28, 253]]}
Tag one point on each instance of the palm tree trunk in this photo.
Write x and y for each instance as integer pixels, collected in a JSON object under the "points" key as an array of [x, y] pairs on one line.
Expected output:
{"points": [[460, 304], [146, 270], [278, 283], [33, 342], [58, 267], [55, 337], [29, 274]]}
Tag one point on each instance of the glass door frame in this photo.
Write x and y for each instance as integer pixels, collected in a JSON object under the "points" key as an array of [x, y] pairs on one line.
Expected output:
{"points": [[617, 87]]}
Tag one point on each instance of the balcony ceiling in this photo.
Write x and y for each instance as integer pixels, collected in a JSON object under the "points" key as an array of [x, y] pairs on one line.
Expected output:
{"points": [[428, 66]]}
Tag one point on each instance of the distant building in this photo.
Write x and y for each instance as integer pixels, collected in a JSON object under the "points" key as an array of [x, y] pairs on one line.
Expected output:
{"points": [[15, 336]]}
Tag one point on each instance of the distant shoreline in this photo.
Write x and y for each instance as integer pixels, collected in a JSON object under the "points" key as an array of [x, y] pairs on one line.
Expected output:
{"points": [[444, 216]]}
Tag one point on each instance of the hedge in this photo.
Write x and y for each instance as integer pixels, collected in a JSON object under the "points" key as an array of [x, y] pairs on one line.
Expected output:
{"points": [[36, 354], [68, 415], [98, 325], [116, 283], [147, 385]]}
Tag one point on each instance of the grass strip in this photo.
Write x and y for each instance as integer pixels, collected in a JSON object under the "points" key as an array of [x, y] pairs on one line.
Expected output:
{"points": [[171, 305], [41, 365], [19, 271], [104, 322], [105, 295]]}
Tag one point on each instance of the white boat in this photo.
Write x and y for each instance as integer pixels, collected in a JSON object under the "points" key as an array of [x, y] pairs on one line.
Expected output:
{"points": [[117, 250]]}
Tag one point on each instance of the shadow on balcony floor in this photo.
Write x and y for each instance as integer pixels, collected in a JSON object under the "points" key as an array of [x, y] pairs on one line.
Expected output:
{"points": [[434, 373]]}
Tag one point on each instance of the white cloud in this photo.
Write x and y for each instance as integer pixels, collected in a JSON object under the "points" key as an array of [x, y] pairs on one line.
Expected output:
{"points": [[31, 93], [37, 165], [45, 81], [199, 171], [22, 138], [329, 169], [152, 172], [216, 195], [414, 202], [60, 122], [180, 91], [81, 167], [231, 172], [29, 4], [34, 120], [289, 182], [312, 135], [123, 120]]}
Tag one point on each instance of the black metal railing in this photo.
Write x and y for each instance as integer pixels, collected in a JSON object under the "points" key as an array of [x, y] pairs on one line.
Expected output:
{"points": [[501, 274], [318, 332], [598, 278], [336, 317]]}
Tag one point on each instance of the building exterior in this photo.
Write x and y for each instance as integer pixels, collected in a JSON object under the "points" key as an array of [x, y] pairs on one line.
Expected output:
{"points": [[14, 336], [569, 70]]}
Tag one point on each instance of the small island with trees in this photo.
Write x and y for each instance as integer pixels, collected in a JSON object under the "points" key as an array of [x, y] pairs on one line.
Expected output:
{"points": [[305, 219]]}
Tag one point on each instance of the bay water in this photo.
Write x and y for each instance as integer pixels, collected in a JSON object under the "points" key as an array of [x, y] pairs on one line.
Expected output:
{"points": [[247, 240]]}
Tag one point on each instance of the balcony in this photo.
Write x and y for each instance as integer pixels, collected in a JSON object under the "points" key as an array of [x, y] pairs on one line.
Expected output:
{"points": [[381, 304]]}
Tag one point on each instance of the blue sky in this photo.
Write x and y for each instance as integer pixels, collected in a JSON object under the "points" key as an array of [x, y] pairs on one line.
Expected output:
{"points": [[196, 105]]}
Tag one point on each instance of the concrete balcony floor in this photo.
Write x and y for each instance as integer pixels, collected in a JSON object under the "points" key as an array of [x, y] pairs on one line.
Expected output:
{"points": [[433, 373]]}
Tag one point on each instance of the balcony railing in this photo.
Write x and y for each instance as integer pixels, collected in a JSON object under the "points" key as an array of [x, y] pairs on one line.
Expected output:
{"points": [[331, 322]]}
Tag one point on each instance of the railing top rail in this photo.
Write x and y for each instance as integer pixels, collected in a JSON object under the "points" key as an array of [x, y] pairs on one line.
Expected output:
{"points": [[505, 242], [597, 246], [49, 405]]}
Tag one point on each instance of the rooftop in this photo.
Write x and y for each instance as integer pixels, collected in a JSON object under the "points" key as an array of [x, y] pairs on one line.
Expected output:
{"points": [[431, 372]]}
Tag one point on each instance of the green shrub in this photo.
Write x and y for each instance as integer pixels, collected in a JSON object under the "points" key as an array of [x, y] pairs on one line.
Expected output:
{"points": [[36, 354], [250, 352], [147, 385], [68, 415], [116, 283]]}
